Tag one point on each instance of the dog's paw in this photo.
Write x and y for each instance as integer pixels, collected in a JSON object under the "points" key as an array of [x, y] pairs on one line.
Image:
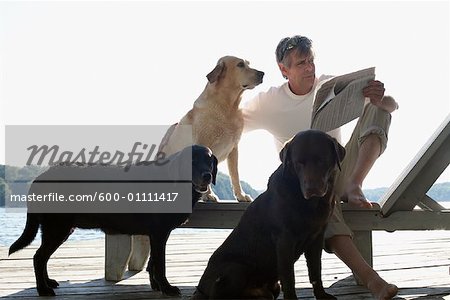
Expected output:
{"points": [[243, 197], [154, 284], [171, 290], [292, 296], [210, 198], [320, 294], [326, 296], [52, 283], [46, 291]]}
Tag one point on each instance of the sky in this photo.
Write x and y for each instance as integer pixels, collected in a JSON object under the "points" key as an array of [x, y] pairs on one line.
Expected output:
{"points": [[145, 63]]}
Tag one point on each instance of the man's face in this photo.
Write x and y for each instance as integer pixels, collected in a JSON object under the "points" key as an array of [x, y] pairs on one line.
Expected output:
{"points": [[301, 72]]}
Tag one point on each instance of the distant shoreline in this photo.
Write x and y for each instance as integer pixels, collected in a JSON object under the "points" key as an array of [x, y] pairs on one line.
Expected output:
{"points": [[12, 225], [223, 189]]}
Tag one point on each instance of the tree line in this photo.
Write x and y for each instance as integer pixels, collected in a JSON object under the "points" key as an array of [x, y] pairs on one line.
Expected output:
{"points": [[223, 189], [8, 174]]}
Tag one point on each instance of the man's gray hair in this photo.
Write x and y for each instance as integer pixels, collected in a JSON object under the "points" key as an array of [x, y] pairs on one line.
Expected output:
{"points": [[302, 44]]}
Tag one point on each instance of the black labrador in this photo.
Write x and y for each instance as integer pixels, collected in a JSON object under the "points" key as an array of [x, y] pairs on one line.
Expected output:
{"points": [[56, 227], [284, 222]]}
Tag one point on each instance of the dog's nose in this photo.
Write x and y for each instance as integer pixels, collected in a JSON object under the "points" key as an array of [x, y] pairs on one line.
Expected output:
{"points": [[260, 75], [207, 177], [309, 193], [315, 188]]}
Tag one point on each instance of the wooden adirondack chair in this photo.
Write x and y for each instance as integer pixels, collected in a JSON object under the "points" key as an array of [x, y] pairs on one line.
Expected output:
{"points": [[406, 206]]}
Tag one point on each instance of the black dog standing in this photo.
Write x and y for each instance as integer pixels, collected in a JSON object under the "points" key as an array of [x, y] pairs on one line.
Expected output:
{"points": [[284, 222], [56, 227]]}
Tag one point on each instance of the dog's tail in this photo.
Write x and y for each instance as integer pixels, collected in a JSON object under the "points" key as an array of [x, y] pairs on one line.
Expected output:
{"points": [[28, 234]]}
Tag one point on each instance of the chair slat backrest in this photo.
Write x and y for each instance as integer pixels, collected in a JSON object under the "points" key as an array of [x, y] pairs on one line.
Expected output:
{"points": [[423, 171]]}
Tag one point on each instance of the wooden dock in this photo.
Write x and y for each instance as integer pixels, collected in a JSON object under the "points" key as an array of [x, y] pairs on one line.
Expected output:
{"points": [[417, 261]]}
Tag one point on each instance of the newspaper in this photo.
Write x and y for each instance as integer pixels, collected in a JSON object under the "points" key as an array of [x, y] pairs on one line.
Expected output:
{"points": [[340, 100]]}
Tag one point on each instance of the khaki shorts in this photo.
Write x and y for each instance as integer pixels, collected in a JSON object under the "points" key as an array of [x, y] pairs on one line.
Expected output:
{"points": [[373, 121]]}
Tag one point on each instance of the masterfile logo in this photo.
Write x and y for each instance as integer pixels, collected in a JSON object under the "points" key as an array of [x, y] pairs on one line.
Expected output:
{"points": [[101, 169]]}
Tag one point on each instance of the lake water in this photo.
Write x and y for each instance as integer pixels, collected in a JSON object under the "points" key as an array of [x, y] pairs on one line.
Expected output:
{"points": [[12, 225]]}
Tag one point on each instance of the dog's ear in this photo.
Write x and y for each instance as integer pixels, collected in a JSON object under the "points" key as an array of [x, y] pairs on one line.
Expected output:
{"points": [[339, 152], [214, 75], [284, 156], [214, 171]]}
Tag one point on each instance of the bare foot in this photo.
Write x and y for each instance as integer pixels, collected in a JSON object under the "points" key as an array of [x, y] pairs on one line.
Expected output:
{"points": [[382, 290], [355, 196]]}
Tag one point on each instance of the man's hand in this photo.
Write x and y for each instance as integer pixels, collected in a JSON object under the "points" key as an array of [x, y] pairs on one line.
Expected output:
{"points": [[375, 92]]}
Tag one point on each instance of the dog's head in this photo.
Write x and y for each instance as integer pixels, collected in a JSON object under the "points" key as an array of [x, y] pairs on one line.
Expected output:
{"points": [[204, 168], [312, 156], [235, 73], [195, 163]]}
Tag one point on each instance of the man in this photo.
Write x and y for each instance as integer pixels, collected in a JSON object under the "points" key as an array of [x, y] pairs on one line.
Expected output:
{"points": [[286, 110]]}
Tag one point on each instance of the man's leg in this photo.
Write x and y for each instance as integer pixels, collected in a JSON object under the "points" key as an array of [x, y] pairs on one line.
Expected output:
{"points": [[345, 249], [338, 240], [367, 143], [368, 153]]}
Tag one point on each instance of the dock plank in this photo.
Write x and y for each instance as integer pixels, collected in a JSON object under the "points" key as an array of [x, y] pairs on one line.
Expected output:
{"points": [[417, 261]]}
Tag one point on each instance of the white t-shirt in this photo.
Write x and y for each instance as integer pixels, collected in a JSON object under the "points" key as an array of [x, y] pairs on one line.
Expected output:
{"points": [[282, 113]]}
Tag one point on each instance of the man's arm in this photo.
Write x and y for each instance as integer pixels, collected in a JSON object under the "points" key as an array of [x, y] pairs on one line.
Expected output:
{"points": [[252, 111]]}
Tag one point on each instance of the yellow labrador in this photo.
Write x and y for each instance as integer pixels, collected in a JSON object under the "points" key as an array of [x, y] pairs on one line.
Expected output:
{"points": [[217, 123], [216, 119]]}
